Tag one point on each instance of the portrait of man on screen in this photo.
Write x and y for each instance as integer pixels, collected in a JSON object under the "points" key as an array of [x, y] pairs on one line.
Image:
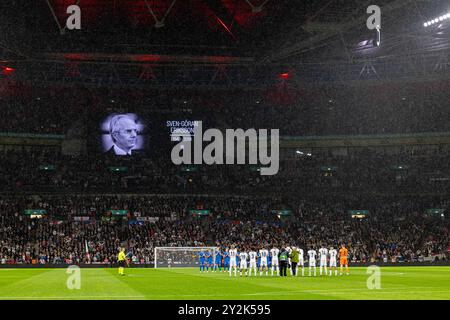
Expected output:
{"points": [[122, 135]]}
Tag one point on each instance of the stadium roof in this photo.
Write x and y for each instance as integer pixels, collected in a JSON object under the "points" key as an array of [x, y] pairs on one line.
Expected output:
{"points": [[165, 27], [222, 42], [266, 30]]}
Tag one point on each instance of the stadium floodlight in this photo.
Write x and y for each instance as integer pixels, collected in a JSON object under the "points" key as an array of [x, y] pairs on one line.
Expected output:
{"points": [[437, 19]]}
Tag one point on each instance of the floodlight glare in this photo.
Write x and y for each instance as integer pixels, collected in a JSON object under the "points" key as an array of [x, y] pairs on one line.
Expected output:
{"points": [[437, 19]]}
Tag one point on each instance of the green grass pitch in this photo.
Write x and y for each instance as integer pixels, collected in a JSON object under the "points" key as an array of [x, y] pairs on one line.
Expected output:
{"points": [[190, 284]]}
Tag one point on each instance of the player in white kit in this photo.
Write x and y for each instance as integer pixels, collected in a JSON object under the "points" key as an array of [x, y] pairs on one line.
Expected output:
{"points": [[274, 256], [243, 259], [312, 261], [301, 261], [233, 254], [253, 256], [263, 254], [333, 261], [323, 254]]}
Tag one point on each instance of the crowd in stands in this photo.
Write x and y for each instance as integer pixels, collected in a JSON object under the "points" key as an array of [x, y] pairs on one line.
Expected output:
{"points": [[344, 110], [40, 113], [79, 192], [393, 231], [336, 109], [49, 170]]}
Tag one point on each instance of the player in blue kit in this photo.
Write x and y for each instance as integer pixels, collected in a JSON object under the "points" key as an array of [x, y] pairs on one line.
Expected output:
{"points": [[226, 261], [218, 264], [202, 261], [209, 258]]}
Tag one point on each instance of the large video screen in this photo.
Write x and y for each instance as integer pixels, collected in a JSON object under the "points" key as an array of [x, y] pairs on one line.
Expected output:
{"points": [[131, 133], [123, 134]]}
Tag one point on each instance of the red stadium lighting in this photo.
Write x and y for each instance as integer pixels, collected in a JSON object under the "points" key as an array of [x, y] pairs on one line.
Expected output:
{"points": [[225, 27], [284, 76], [7, 71]]}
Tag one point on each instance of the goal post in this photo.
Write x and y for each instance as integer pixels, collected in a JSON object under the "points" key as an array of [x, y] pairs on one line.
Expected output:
{"points": [[176, 257]]}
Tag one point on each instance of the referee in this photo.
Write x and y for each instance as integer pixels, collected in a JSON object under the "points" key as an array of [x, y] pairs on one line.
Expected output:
{"points": [[121, 259]]}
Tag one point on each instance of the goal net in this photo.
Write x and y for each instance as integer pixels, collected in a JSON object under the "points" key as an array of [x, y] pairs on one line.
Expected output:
{"points": [[175, 257]]}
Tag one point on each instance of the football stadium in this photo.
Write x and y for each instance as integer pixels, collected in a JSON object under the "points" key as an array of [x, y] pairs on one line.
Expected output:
{"points": [[224, 150]]}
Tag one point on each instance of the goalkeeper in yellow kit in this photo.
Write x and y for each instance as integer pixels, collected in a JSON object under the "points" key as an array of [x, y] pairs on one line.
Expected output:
{"points": [[122, 260]]}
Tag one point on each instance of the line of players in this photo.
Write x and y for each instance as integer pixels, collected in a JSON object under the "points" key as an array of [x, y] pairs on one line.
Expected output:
{"points": [[253, 260]]}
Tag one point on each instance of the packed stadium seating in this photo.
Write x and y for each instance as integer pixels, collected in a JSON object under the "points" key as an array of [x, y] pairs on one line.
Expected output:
{"points": [[47, 169], [397, 188], [320, 110], [396, 231]]}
